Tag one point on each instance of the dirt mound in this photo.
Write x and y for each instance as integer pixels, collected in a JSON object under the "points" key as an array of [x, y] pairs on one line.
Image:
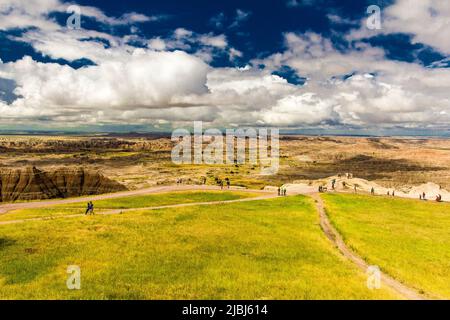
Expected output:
{"points": [[344, 184], [34, 184]]}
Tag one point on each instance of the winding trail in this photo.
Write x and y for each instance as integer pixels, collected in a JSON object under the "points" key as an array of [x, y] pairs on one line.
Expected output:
{"points": [[4, 209], [330, 232], [333, 235]]}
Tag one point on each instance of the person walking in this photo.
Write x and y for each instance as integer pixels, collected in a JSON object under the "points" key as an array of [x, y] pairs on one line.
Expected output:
{"points": [[88, 208], [372, 191], [91, 208], [279, 191]]}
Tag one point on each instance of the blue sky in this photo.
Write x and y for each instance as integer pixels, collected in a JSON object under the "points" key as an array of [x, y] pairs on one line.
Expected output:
{"points": [[300, 65]]}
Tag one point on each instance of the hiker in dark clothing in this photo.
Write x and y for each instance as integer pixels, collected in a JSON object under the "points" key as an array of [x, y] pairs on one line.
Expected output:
{"points": [[423, 196], [372, 191], [90, 208], [279, 191]]}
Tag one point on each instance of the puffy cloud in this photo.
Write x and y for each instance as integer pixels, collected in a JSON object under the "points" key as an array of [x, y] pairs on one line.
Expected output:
{"points": [[73, 44], [315, 57], [205, 46], [144, 79], [170, 80], [304, 108], [357, 87], [428, 21], [157, 44], [34, 13], [234, 54], [28, 13], [219, 41]]}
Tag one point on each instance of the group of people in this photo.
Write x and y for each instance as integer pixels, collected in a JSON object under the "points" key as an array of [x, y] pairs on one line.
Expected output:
{"points": [[181, 181], [90, 208], [221, 183], [423, 196], [333, 183], [282, 191], [348, 175]]}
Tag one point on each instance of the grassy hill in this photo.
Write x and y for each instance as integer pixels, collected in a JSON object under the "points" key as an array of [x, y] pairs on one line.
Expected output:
{"points": [[251, 250], [128, 202], [409, 239]]}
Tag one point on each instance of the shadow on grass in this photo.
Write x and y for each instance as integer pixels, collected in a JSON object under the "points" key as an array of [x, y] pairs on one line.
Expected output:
{"points": [[5, 242]]}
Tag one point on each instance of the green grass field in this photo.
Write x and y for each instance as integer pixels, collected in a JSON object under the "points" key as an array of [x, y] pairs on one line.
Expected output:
{"points": [[409, 239], [266, 249], [142, 201]]}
